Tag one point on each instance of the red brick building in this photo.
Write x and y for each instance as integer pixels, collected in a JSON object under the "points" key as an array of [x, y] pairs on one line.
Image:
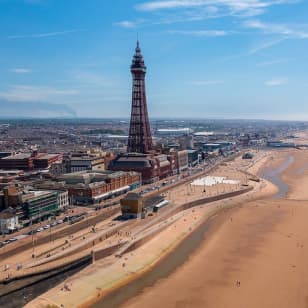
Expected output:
{"points": [[92, 187], [29, 161], [146, 164]]}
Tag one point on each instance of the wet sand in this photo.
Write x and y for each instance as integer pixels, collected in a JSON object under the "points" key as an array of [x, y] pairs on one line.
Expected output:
{"points": [[254, 257]]}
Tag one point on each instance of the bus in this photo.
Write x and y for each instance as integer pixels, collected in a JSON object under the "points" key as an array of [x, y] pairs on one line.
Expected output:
{"points": [[160, 205]]}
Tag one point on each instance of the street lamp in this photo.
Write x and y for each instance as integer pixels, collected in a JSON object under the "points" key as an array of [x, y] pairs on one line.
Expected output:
{"points": [[49, 220], [32, 238]]}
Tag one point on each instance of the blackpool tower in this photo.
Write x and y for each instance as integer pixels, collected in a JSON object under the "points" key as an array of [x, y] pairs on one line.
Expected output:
{"points": [[139, 139]]}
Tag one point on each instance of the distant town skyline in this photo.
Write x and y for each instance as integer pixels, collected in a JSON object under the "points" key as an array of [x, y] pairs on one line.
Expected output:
{"points": [[205, 59]]}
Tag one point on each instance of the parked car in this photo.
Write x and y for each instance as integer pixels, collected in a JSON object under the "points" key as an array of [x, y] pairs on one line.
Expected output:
{"points": [[66, 218]]}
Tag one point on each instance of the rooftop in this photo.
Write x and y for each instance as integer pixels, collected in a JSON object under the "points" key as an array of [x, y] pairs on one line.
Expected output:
{"points": [[18, 156], [86, 158], [90, 177], [7, 215], [29, 155], [10, 172]]}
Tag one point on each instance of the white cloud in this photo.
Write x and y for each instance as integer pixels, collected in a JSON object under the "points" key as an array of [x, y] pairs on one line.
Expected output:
{"points": [[36, 93], [277, 32], [245, 7], [273, 62], [209, 12], [207, 82], [20, 70], [127, 24], [266, 45], [43, 35], [92, 78], [288, 31], [208, 33], [276, 82], [179, 11], [169, 4], [177, 4]]}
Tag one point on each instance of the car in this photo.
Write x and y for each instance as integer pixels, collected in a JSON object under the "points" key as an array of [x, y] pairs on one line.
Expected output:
{"points": [[40, 229], [54, 224], [6, 242], [66, 218], [60, 221], [13, 239], [32, 232], [47, 227]]}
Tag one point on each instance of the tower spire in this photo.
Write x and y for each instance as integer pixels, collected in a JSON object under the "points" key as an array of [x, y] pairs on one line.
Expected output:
{"points": [[140, 138]]}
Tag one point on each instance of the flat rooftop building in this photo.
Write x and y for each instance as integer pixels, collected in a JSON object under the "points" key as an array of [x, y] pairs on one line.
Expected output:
{"points": [[132, 205], [28, 161], [38, 204], [142, 163], [174, 131]]}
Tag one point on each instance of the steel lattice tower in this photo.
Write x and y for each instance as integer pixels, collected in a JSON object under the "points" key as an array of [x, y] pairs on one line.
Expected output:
{"points": [[140, 139]]}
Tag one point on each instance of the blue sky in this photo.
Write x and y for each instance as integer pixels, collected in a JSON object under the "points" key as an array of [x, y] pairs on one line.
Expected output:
{"points": [[205, 58]]}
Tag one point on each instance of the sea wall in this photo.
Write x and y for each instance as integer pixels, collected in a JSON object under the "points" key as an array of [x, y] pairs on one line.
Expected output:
{"points": [[16, 283]]}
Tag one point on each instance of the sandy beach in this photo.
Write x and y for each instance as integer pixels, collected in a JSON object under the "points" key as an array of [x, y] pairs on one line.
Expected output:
{"points": [[254, 257]]}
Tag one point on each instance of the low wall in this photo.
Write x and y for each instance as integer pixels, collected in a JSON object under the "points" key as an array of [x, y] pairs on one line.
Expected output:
{"points": [[105, 252], [19, 282], [216, 198], [251, 176], [16, 283], [136, 244]]}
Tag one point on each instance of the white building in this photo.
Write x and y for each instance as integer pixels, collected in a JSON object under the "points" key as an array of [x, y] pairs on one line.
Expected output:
{"points": [[174, 131], [63, 199], [86, 163], [8, 222]]}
